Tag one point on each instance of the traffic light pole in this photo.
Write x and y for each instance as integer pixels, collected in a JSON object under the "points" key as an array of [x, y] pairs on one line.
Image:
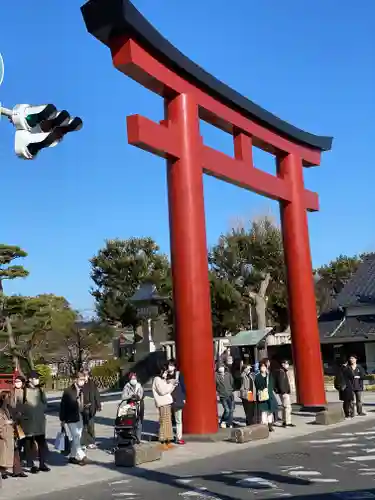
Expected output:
{"points": [[6, 112]]}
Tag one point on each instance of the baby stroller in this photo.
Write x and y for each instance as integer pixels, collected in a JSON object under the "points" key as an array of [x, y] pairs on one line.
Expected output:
{"points": [[126, 423]]}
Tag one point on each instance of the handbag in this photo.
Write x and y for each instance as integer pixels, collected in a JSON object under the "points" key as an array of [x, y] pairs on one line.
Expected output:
{"points": [[19, 432], [250, 396], [263, 395], [60, 441]]}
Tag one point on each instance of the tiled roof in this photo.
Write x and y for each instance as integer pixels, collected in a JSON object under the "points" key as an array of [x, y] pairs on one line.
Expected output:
{"points": [[361, 288], [357, 327]]}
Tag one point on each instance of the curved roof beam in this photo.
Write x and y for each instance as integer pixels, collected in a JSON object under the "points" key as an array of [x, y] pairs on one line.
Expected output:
{"points": [[106, 19]]}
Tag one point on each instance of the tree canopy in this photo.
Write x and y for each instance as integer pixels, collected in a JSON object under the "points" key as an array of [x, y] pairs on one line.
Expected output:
{"points": [[118, 270], [251, 260]]}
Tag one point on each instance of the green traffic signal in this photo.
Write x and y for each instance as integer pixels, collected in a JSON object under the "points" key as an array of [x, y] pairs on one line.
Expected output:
{"points": [[34, 119]]}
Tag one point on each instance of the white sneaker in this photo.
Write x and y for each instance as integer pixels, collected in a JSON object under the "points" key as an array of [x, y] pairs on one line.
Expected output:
{"points": [[223, 425]]}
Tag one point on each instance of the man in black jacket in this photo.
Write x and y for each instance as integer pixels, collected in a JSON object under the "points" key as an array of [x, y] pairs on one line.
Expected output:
{"points": [[357, 374], [72, 408], [91, 397], [282, 387]]}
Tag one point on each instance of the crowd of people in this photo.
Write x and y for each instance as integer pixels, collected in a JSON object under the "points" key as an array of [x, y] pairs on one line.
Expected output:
{"points": [[261, 390], [23, 445]]}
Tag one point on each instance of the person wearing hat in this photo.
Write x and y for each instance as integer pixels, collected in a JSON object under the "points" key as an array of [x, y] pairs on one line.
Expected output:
{"points": [[357, 375], [283, 389], [33, 423]]}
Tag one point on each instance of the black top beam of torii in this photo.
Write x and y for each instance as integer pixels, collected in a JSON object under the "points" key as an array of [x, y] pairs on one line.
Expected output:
{"points": [[106, 19]]}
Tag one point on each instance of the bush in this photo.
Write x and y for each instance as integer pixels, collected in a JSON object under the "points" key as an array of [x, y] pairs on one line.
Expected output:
{"points": [[45, 373], [109, 369]]}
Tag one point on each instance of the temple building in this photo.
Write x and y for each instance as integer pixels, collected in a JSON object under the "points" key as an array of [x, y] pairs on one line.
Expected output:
{"points": [[347, 320]]}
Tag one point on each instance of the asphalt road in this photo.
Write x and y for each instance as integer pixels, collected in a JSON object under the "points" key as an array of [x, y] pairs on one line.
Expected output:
{"points": [[337, 464]]}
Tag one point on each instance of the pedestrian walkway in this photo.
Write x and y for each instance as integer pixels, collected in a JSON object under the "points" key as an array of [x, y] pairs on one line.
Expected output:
{"points": [[101, 468]]}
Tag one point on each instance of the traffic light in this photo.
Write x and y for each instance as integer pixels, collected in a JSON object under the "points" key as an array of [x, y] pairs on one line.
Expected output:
{"points": [[39, 127]]}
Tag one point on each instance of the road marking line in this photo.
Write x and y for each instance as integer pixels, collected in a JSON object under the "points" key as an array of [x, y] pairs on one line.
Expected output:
{"points": [[124, 494], [349, 445], [256, 480], [324, 480], [122, 481], [293, 467], [296, 473], [329, 441], [363, 458]]}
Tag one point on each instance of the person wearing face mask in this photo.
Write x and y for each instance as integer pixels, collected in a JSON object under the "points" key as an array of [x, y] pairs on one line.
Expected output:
{"points": [[282, 387], [162, 391], [265, 398], [247, 395], [92, 403], [224, 389], [33, 423], [16, 403], [179, 398], [133, 390], [72, 408]]}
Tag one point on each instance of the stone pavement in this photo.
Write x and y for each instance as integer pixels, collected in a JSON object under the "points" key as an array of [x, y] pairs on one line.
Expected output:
{"points": [[101, 467]]}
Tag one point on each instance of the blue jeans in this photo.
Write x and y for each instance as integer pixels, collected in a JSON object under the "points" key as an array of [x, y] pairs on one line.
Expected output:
{"points": [[228, 410]]}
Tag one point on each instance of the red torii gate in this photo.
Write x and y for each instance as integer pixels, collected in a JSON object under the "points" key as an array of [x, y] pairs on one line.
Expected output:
{"points": [[190, 93]]}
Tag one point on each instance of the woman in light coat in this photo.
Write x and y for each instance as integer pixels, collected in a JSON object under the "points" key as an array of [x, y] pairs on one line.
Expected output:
{"points": [[162, 391], [6, 436]]}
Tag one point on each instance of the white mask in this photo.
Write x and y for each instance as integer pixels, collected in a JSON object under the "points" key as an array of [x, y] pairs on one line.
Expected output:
{"points": [[18, 385], [133, 381], [35, 382], [221, 369], [171, 369], [81, 383]]}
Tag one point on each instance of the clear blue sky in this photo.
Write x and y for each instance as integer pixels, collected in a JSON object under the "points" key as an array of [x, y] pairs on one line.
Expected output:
{"points": [[311, 62]]}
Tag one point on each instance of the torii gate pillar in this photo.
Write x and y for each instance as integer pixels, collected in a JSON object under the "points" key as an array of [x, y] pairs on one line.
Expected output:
{"points": [[191, 94]]}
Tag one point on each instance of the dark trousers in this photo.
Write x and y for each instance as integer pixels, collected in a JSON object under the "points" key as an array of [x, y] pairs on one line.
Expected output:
{"points": [[228, 405], [88, 433], [17, 468], [41, 443], [249, 408], [358, 402], [348, 407]]}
